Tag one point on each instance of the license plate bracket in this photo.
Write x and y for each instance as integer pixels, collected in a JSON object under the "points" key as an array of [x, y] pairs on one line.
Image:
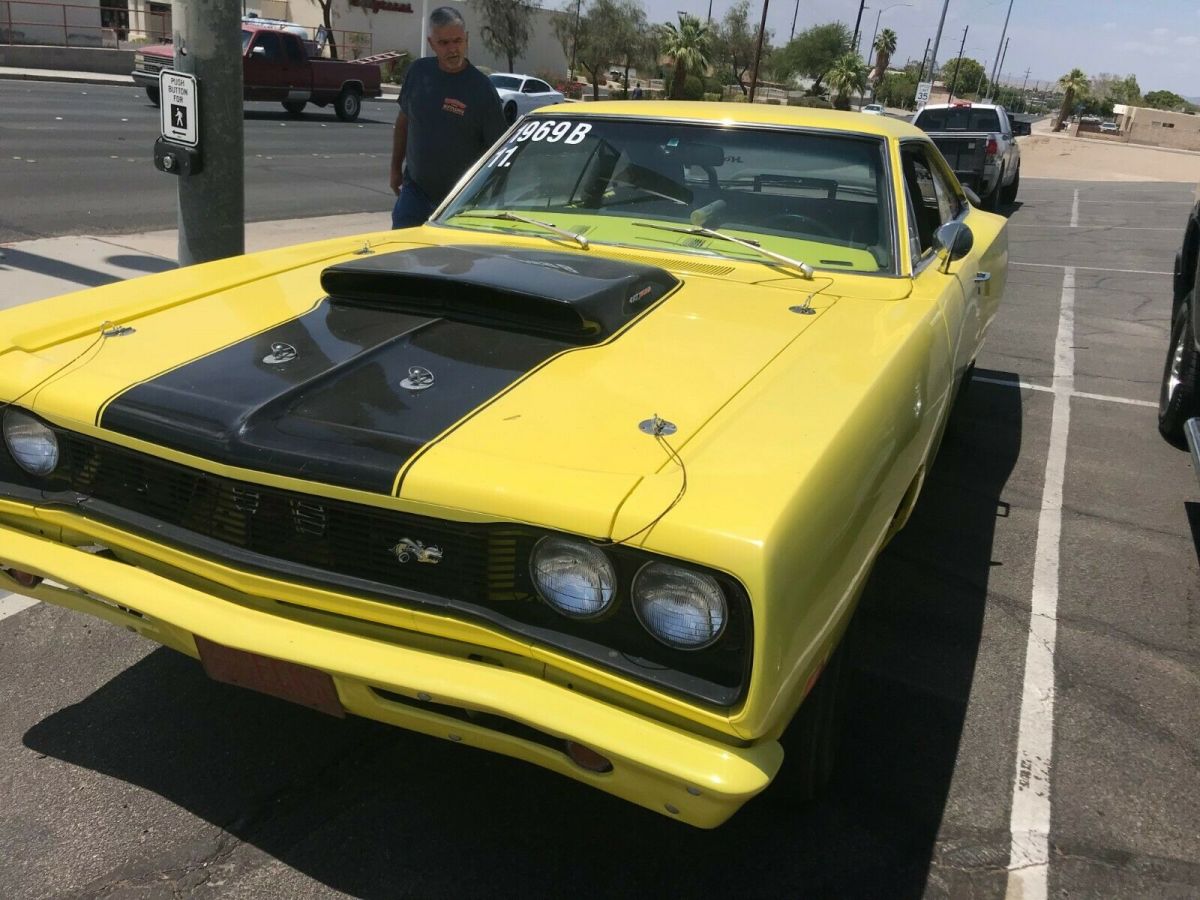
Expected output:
{"points": [[275, 677]]}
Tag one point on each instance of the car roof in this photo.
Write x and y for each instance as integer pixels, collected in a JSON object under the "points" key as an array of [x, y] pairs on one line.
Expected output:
{"points": [[744, 114]]}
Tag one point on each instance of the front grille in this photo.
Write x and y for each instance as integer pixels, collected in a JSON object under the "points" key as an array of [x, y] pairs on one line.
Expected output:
{"points": [[475, 561], [151, 66]]}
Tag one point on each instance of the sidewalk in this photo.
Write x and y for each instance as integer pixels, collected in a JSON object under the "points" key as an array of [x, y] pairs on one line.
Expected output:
{"points": [[32, 270], [12, 73]]}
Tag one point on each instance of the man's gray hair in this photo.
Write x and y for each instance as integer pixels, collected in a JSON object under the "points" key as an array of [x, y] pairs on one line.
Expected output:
{"points": [[446, 15]]}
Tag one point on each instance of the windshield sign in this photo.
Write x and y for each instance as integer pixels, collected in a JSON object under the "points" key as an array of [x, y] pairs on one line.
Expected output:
{"points": [[818, 197]]}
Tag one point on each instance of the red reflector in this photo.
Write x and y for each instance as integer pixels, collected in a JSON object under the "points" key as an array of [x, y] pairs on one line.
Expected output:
{"points": [[992, 147], [25, 579], [587, 758]]}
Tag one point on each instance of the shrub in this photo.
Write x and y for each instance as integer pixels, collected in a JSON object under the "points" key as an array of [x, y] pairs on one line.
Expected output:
{"points": [[711, 97], [693, 88], [818, 102]]}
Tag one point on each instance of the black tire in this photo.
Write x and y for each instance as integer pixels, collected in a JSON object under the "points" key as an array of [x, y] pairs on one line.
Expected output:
{"points": [[295, 107], [348, 104], [811, 739], [992, 201], [152, 93], [1177, 398], [1009, 194], [510, 112]]}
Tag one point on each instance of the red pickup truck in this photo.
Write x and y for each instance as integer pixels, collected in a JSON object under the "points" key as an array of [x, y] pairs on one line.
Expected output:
{"points": [[276, 65]]}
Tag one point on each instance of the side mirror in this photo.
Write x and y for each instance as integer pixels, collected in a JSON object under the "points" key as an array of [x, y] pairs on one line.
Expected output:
{"points": [[955, 240], [1020, 129], [258, 51]]}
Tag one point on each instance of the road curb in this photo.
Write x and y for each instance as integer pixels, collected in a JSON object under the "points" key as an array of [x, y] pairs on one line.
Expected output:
{"points": [[68, 77]]}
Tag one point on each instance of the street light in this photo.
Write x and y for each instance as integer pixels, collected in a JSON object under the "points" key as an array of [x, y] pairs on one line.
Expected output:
{"points": [[876, 32]]}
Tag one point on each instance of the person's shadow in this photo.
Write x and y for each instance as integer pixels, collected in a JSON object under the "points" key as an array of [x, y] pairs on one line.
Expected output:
{"points": [[376, 812]]}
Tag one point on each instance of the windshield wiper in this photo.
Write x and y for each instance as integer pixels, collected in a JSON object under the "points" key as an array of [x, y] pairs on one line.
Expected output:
{"points": [[805, 269], [513, 217]]}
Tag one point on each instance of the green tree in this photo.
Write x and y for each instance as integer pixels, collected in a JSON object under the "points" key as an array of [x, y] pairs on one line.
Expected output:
{"points": [[1167, 100], [688, 48], [1074, 84], [735, 42], [898, 89], [602, 30], [505, 29], [639, 44], [964, 74], [885, 46], [812, 53], [847, 77]]}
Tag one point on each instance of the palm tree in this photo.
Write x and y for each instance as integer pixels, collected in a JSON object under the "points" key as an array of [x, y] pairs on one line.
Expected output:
{"points": [[1074, 82], [688, 46], [848, 76], [885, 46]]}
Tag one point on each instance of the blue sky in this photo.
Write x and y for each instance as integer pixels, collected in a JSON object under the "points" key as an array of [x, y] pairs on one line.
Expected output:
{"points": [[1156, 40]]}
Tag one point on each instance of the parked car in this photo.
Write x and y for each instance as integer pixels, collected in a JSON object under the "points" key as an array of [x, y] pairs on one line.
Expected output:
{"points": [[590, 470], [978, 141], [276, 65], [874, 109], [521, 94], [1179, 393], [1109, 127]]}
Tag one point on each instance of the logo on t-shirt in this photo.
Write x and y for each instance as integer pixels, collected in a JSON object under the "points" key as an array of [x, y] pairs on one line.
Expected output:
{"points": [[455, 106]]}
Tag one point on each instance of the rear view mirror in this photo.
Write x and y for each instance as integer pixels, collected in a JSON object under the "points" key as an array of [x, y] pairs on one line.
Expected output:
{"points": [[1020, 128], [693, 153], [955, 240]]}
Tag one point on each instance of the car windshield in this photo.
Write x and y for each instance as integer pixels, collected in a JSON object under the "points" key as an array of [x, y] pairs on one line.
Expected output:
{"points": [[508, 82], [959, 118], [819, 197]]}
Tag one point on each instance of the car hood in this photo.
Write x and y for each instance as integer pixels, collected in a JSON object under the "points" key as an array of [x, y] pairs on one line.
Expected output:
{"points": [[519, 385]]}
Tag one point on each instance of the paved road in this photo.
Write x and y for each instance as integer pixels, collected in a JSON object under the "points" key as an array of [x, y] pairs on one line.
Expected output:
{"points": [[127, 773], [79, 159]]}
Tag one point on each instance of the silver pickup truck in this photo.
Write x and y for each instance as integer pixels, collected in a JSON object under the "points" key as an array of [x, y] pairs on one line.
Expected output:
{"points": [[979, 142]]}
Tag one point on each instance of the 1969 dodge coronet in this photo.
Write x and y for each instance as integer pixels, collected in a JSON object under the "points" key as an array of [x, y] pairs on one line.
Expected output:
{"points": [[589, 471]]}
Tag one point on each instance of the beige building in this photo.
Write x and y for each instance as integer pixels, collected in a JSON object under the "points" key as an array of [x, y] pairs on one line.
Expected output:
{"points": [[83, 23], [1142, 125]]}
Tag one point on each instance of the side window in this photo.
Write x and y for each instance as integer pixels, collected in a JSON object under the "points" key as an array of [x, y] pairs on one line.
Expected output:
{"points": [[295, 49], [529, 87], [540, 87], [270, 43], [933, 202]]}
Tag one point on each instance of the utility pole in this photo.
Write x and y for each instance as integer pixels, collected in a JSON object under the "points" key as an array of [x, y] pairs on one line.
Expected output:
{"points": [[208, 45], [794, 15], [857, 22], [1000, 45], [936, 41], [1000, 67], [762, 27], [1024, 102], [958, 64], [924, 56]]}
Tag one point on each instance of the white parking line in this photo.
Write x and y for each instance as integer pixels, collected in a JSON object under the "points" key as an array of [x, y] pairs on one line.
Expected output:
{"points": [[11, 604], [1075, 224], [1029, 821], [1075, 209], [1091, 268], [1107, 398]]}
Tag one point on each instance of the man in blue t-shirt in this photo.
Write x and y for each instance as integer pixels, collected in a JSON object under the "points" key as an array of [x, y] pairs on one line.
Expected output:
{"points": [[449, 115]]}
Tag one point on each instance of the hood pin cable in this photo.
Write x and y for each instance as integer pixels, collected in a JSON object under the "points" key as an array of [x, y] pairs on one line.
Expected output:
{"points": [[107, 330], [658, 427]]}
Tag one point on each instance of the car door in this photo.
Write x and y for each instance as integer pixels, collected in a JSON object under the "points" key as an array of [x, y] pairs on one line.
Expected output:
{"points": [[535, 93], [265, 68], [934, 200]]}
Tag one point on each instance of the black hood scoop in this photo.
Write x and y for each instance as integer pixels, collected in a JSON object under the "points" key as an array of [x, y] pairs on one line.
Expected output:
{"points": [[574, 297]]}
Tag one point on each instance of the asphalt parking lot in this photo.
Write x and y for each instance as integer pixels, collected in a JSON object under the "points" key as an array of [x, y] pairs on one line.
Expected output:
{"points": [[1022, 712]]}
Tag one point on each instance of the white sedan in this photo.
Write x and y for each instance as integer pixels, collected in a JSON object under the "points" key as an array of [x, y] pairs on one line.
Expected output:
{"points": [[873, 109], [521, 93]]}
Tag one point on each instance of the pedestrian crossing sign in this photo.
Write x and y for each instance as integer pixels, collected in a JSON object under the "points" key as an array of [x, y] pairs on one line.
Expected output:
{"points": [[177, 97]]}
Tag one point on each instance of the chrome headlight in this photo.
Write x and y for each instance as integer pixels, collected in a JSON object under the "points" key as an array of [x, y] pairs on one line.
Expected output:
{"points": [[683, 609], [31, 442], [574, 577]]}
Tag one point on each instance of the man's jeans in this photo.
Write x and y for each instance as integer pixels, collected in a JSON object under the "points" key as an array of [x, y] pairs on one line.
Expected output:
{"points": [[412, 206]]}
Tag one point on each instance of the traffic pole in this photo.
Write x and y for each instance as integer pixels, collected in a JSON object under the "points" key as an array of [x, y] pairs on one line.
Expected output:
{"points": [[208, 45]]}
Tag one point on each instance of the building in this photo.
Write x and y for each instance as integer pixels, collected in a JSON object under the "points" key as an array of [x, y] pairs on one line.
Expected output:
{"points": [[1158, 128]]}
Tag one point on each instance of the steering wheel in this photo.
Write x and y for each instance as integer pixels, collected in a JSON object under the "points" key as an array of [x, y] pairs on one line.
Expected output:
{"points": [[798, 222]]}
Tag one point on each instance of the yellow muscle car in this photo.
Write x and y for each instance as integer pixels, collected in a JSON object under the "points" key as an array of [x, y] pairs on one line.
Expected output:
{"points": [[589, 470]]}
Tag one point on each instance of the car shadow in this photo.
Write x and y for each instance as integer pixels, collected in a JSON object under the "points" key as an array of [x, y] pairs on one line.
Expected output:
{"points": [[373, 811]]}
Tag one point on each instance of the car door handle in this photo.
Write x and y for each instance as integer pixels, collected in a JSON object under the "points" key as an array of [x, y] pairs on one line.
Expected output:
{"points": [[983, 277]]}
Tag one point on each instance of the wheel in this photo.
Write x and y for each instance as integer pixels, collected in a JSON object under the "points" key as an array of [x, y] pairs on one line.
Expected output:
{"points": [[152, 93], [811, 739], [510, 112], [1008, 195], [992, 201], [1177, 400], [295, 107], [798, 222], [348, 105]]}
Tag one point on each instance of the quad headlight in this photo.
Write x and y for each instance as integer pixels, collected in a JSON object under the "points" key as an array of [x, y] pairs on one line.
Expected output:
{"points": [[682, 608], [574, 577], [30, 442]]}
